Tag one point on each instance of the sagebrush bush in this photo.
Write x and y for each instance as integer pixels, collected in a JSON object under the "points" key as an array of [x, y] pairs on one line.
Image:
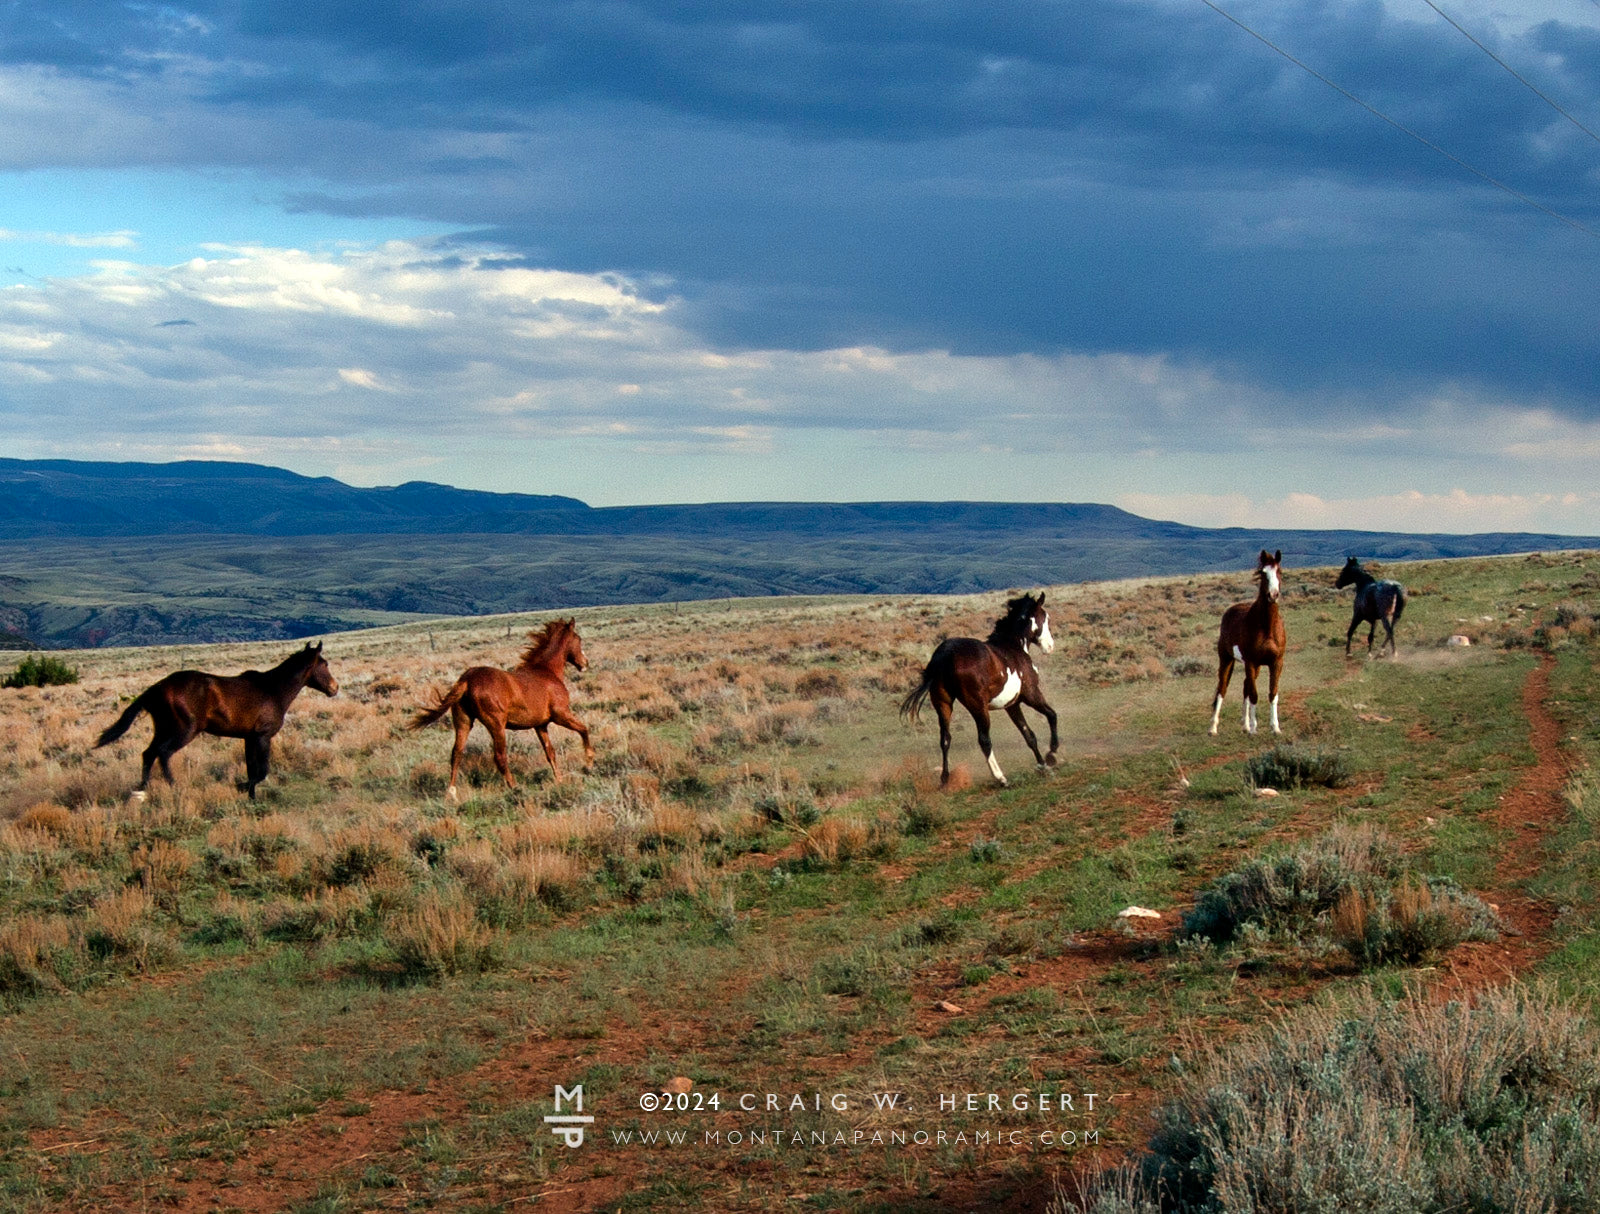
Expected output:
{"points": [[1383, 1109], [1292, 766], [1351, 887], [442, 936]]}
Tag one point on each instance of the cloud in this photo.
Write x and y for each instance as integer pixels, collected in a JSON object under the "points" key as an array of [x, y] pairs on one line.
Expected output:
{"points": [[1134, 177], [91, 240], [1454, 512]]}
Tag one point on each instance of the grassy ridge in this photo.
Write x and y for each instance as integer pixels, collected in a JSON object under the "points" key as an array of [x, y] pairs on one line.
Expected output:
{"points": [[759, 886]]}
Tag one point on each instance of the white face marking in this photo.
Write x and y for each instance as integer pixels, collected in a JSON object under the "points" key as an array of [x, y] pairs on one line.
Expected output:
{"points": [[1008, 692], [1271, 572], [1046, 641]]}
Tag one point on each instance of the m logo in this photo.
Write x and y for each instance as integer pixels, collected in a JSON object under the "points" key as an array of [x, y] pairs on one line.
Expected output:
{"points": [[569, 1126]]}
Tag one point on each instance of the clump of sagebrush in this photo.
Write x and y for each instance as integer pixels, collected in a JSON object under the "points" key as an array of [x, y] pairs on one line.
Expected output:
{"points": [[1383, 1107], [37, 670], [1352, 888], [1290, 766]]}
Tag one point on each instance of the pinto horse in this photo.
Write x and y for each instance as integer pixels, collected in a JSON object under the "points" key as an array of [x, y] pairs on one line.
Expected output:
{"points": [[1252, 633], [997, 673], [1375, 601], [533, 696], [251, 706]]}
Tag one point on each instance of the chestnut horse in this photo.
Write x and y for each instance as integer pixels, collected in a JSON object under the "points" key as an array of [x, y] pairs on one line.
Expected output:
{"points": [[251, 706], [997, 673], [1375, 601], [1252, 633], [533, 696]]}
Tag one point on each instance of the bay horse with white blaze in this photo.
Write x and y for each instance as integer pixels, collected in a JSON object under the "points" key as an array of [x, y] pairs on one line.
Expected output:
{"points": [[1252, 633], [251, 706], [532, 696], [997, 673], [1375, 601]]}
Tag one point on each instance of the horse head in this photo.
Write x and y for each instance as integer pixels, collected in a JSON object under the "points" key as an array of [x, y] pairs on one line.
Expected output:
{"points": [[1350, 574], [574, 646], [1027, 619], [1269, 570], [321, 676]]}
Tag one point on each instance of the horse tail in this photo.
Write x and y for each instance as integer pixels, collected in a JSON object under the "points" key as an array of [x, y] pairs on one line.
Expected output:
{"points": [[121, 725], [912, 704], [1399, 602], [447, 701]]}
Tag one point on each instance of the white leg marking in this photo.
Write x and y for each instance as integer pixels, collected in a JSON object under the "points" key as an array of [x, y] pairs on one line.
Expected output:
{"points": [[137, 796], [450, 794], [1237, 656], [1216, 713], [995, 767], [1275, 728], [1249, 717]]}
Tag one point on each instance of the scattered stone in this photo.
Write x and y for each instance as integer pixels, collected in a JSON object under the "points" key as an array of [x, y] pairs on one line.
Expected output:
{"points": [[1138, 912], [1429, 821], [1266, 792], [678, 1086], [1373, 718], [1459, 641], [944, 1005]]}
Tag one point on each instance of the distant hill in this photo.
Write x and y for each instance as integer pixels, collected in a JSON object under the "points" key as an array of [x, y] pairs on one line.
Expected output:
{"points": [[122, 554]]}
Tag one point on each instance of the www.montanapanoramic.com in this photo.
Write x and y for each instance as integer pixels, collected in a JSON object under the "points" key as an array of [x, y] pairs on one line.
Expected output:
{"points": [[857, 1138]]}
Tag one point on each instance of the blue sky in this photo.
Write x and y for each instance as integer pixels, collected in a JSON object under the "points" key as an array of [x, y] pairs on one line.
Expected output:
{"points": [[1097, 250]]}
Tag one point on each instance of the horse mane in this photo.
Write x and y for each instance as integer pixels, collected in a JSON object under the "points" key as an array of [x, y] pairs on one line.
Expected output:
{"points": [[1015, 625], [547, 642]]}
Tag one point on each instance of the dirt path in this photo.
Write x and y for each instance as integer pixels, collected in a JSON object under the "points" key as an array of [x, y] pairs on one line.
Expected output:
{"points": [[1528, 814]]}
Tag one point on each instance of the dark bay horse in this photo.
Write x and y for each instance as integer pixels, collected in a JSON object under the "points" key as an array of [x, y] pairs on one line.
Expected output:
{"points": [[1375, 601], [533, 696], [1252, 633], [251, 706], [997, 673]]}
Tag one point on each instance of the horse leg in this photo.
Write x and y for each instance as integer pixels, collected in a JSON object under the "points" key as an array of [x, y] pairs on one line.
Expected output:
{"points": [[1250, 698], [1049, 715], [980, 716], [502, 757], [1015, 713], [1274, 669], [943, 707], [549, 750], [1388, 628], [463, 724], [256, 749], [566, 720], [1371, 628], [1355, 622], [1224, 675]]}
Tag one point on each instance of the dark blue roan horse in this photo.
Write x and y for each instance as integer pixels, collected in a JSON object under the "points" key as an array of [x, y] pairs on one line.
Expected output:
{"points": [[1375, 601], [997, 673]]}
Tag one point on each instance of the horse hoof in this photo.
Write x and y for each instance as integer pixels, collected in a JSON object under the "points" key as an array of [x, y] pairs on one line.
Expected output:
{"points": [[451, 795], [1050, 759]]}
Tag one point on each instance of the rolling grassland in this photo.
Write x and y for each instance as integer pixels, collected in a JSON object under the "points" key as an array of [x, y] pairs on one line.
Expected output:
{"points": [[353, 994]]}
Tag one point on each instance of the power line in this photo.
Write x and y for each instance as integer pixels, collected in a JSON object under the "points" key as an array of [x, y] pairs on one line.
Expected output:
{"points": [[1399, 126], [1520, 77]]}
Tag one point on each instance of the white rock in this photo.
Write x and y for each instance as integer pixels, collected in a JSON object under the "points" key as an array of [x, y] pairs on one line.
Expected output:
{"points": [[1138, 912], [1266, 792], [1459, 642]]}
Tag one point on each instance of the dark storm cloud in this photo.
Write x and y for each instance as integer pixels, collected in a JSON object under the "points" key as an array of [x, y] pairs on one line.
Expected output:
{"points": [[986, 178]]}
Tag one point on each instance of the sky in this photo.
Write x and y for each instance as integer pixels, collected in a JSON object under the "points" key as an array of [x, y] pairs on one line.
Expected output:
{"points": [[635, 251]]}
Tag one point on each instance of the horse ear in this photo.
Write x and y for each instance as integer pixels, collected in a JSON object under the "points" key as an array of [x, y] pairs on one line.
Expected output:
{"points": [[1041, 598], [1277, 557]]}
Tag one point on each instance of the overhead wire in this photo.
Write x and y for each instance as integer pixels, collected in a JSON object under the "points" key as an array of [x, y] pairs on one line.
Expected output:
{"points": [[1521, 79], [1400, 126]]}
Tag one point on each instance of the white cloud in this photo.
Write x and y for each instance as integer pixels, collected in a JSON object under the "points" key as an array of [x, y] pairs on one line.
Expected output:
{"points": [[1453, 512], [75, 240]]}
